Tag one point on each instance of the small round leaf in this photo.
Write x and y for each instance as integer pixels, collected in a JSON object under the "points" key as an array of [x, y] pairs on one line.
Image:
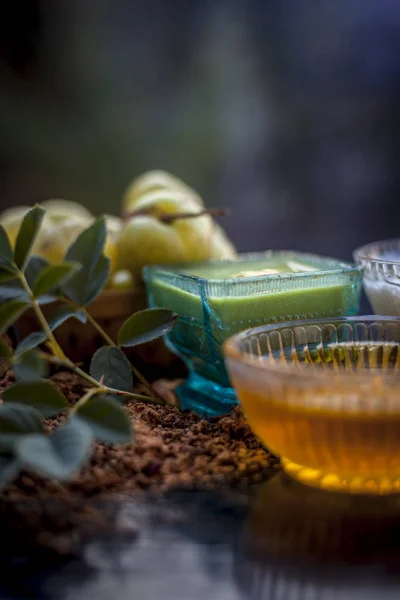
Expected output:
{"points": [[5, 350], [31, 341], [9, 469], [41, 394], [56, 319], [110, 365], [30, 366], [145, 326], [10, 312], [63, 313], [17, 420], [53, 276], [107, 420], [87, 250], [34, 267], [60, 455]]}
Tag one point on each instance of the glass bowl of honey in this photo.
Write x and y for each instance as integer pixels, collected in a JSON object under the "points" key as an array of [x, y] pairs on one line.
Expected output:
{"points": [[324, 395]]}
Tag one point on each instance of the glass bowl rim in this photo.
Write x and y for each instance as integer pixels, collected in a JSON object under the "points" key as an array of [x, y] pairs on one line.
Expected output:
{"points": [[362, 252], [177, 269], [232, 352]]}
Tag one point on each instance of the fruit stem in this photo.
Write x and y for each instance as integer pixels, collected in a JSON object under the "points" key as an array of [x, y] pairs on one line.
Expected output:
{"points": [[169, 217], [213, 212]]}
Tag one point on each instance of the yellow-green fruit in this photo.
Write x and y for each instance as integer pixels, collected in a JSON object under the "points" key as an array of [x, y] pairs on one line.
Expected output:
{"points": [[221, 246], [153, 181], [146, 239], [55, 237], [114, 227], [121, 280], [62, 210], [62, 223]]}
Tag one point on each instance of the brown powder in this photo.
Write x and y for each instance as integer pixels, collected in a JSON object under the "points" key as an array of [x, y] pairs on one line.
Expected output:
{"points": [[171, 450]]}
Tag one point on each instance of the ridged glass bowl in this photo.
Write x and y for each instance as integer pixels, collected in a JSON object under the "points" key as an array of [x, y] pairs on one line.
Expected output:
{"points": [[380, 262], [213, 306], [324, 395]]}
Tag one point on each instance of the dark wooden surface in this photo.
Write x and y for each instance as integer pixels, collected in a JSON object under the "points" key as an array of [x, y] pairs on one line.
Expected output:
{"points": [[279, 542]]}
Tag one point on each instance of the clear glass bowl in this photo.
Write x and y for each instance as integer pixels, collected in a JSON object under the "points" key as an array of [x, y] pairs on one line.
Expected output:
{"points": [[213, 309], [380, 262], [324, 395]]}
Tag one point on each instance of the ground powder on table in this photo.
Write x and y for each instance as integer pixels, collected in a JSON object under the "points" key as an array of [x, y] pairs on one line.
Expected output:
{"points": [[171, 449]]}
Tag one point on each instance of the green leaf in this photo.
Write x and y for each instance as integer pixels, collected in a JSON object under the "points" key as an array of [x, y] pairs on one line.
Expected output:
{"points": [[6, 252], [61, 455], [53, 276], [60, 315], [98, 280], [12, 291], [9, 468], [5, 274], [31, 341], [107, 420], [17, 420], [8, 269], [30, 366], [27, 235], [34, 267], [110, 365], [87, 249], [41, 394], [146, 325], [5, 350], [63, 313], [10, 312]]}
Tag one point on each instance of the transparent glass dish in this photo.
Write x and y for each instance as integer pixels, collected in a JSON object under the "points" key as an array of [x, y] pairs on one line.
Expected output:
{"points": [[380, 262], [324, 395], [213, 309]]}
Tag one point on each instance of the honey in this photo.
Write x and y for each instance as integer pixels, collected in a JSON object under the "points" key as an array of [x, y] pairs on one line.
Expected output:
{"points": [[335, 447], [333, 416]]}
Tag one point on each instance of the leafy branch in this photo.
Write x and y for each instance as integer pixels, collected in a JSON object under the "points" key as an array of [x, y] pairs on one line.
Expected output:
{"points": [[28, 282]]}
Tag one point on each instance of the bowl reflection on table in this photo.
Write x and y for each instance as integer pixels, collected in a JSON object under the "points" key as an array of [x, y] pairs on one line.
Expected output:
{"points": [[324, 395], [300, 542]]}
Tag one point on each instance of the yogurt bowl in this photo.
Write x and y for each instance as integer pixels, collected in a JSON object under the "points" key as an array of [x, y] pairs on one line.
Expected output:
{"points": [[380, 262]]}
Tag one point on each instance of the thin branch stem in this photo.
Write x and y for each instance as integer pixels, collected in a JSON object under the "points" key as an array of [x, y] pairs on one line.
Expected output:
{"points": [[41, 318], [139, 397], [98, 388], [68, 364], [111, 342], [84, 399], [99, 328]]}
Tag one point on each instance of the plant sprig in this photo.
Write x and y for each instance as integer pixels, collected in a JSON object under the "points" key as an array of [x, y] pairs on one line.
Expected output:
{"points": [[28, 282]]}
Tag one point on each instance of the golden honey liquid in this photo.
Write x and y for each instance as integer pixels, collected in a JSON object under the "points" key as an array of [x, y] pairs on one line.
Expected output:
{"points": [[330, 441]]}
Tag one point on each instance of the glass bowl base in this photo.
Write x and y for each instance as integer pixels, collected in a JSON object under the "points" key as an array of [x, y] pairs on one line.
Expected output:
{"points": [[336, 482], [206, 398]]}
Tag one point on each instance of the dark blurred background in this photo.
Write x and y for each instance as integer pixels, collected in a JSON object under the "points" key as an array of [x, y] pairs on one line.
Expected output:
{"points": [[287, 111]]}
